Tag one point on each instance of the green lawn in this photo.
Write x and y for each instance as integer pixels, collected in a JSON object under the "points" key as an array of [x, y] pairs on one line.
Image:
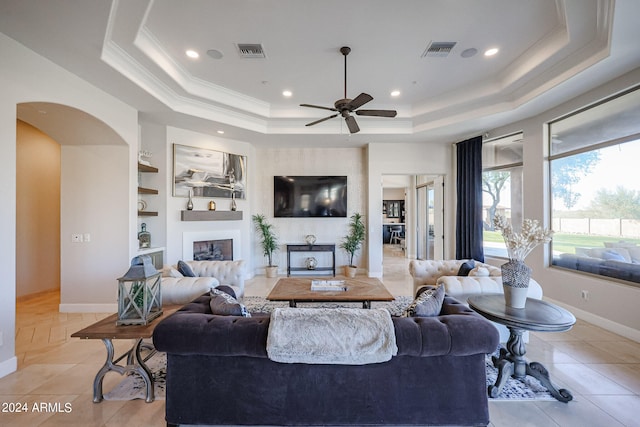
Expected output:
{"points": [[565, 242]]}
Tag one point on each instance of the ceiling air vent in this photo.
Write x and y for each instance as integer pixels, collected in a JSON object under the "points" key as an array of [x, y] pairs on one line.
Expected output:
{"points": [[251, 50], [438, 49]]}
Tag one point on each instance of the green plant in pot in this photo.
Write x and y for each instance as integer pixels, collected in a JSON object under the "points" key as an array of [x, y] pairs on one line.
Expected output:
{"points": [[352, 242], [268, 241]]}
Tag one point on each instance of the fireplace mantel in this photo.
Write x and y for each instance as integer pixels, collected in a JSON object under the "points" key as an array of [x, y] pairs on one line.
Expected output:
{"points": [[211, 215]]}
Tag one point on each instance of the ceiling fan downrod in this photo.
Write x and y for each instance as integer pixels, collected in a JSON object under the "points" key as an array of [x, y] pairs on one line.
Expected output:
{"points": [[345, 51]]}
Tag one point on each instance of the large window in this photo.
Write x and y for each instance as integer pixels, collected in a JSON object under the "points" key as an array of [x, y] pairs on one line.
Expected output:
{"points": [[595, 188], [501, 188]]}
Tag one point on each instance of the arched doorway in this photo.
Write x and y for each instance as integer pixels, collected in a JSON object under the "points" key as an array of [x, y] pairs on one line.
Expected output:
{"points": [[89, 193]]}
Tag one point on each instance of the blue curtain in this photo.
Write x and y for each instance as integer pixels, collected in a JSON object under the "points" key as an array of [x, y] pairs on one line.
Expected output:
{"points": [[469, 191]]}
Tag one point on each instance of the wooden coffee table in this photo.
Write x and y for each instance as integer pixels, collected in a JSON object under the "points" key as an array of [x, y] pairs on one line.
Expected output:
{"points": [[364, 290], [107, 330]]}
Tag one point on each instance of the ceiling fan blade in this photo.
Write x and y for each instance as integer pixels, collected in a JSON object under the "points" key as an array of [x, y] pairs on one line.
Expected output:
{"points": [[379, 113], [359, 101], [321, 120], [351, 124], [318, 106]]}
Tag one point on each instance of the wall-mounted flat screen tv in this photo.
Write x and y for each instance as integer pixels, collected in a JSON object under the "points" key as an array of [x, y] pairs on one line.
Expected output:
{"points": [[309, 196]]}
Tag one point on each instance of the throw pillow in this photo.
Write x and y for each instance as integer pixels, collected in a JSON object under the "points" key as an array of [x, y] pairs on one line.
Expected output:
{"points": [[428, 303], [466, 267], [228, 289], [224, 304], [611, 255], [185, 270]]}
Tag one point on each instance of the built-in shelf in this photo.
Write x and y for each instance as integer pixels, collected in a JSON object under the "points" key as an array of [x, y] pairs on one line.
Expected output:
{"points": [[147, 168], [142, 190], [211, 215]]}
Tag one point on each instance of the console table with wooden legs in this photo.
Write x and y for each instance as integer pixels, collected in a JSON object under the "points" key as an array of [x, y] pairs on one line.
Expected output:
{"points": [[537, 315]]}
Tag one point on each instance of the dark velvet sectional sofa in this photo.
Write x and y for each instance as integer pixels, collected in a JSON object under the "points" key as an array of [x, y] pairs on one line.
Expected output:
{"points": [[218, 373]]}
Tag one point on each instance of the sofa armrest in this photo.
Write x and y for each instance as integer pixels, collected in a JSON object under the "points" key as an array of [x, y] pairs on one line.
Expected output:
{"points": [[181, 290]]}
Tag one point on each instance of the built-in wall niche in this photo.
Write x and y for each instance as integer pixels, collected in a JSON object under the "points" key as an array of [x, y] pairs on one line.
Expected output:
{"points": [[145, 190]]}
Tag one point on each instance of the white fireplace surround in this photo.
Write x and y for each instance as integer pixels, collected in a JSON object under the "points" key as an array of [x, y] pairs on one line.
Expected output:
{"points": [[188, 237]]}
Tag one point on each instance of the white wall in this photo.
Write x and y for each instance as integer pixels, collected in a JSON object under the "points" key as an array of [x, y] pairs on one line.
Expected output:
{"points": [[410, 159], [28, 77], [611, 304], [176, 227], [94, 200], [310, 161]]}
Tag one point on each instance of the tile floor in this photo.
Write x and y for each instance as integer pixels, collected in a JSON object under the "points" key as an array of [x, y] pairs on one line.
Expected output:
{"points": [[601, 369]]}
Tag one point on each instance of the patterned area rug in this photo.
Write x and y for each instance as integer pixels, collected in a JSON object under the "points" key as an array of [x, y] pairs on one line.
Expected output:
{"points": [[132, 387]]}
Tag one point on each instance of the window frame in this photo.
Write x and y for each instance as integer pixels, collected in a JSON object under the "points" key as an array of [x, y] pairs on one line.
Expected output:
{"points": [[504, 167], [615, 141]]}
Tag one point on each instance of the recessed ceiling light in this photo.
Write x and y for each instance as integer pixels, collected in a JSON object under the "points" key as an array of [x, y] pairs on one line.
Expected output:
{"points": [[395, 93], [192, 54], [491, 52], [220, 132], [287, 93]]}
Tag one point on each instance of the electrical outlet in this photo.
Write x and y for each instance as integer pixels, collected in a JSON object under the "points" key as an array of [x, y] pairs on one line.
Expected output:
{"points": [[76, 238], [86, 237], [585, 295]]}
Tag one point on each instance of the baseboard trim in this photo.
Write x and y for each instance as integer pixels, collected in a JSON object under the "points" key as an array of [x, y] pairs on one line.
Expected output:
{"points": [[9, 366], [88, 308], [609, 325]]}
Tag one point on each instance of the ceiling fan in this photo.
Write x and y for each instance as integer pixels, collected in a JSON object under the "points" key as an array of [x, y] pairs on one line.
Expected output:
{"points": [[346, 106]]}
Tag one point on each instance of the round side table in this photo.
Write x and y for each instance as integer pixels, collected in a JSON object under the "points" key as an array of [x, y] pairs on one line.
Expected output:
{"points": [[538, 316]]}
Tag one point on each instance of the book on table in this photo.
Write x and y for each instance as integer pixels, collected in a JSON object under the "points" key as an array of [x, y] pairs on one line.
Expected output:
{"points": [[328, 285]]}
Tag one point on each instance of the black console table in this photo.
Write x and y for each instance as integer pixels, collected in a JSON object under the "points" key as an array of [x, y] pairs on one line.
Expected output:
{"points": [[311, 248]]}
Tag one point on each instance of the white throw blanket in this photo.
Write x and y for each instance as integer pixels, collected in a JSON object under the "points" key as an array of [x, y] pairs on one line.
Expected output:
{"points": [[345, 336]]}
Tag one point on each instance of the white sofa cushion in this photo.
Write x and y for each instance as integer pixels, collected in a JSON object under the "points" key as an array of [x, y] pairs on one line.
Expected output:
{"points": [[227, 272]]}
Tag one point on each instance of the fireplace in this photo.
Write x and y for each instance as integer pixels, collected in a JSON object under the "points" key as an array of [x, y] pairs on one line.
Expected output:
{"points": [[211, 245], [213, 250]]}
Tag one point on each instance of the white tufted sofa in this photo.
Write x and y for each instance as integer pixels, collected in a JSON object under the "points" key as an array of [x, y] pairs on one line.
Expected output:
{"points": [[444, 272], [178, 289]]}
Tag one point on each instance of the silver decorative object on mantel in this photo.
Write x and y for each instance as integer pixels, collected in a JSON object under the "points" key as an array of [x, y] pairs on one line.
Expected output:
{"points": [[311, 263], [190, 202], [310, 239]]}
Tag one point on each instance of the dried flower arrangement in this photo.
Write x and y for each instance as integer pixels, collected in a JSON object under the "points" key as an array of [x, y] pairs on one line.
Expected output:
{"points": [[519, 245]]}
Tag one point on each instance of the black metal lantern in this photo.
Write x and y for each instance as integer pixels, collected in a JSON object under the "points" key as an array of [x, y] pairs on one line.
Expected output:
{"points": [[139, 296]]}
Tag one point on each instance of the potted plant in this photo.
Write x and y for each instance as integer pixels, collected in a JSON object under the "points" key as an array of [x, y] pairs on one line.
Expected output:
{"points": [[352, 242], [269, 242]]}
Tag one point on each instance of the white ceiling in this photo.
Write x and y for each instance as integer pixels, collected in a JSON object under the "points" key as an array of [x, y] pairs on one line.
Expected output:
{"points": [[550, 51]]}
